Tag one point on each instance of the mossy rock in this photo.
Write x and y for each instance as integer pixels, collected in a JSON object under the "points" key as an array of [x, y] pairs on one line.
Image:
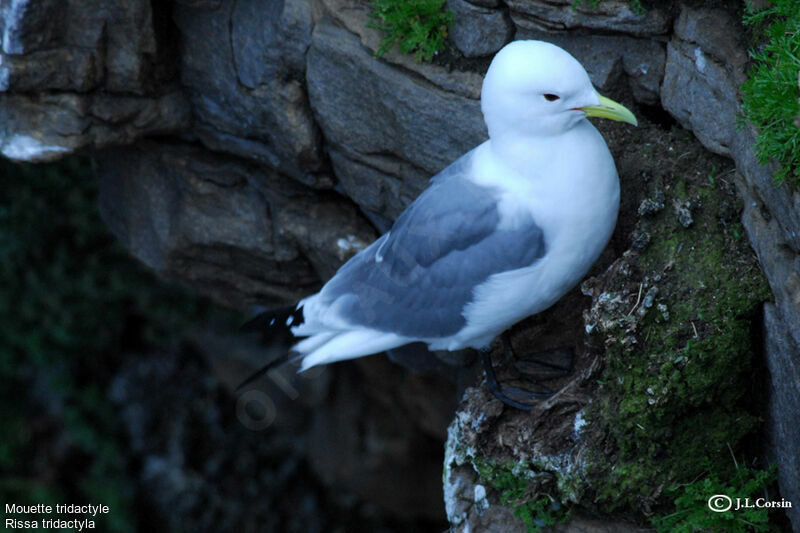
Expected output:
{"points": [[666, 355], [679, 328]]}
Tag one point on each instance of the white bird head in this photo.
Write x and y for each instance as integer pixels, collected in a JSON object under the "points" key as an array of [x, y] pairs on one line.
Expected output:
{"points": [[535, 88]]}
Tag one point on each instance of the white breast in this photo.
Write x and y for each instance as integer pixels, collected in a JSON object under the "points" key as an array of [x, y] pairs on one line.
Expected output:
{"points": [[570, 187]]}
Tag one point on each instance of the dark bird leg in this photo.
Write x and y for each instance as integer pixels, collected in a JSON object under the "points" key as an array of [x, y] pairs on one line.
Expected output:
{"points": [[286, 358], [508, 394], [543, 367], [495, 387]]}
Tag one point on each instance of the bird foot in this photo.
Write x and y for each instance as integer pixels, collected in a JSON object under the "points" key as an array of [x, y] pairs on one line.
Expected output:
{"points": [[544, 366], [511, 396]]}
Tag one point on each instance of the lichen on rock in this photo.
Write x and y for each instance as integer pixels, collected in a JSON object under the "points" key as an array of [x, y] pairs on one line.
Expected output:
{"points": [[675, 384], [668, 359]]}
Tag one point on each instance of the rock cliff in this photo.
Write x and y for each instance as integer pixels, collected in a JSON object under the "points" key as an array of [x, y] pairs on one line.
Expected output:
{"points": [[247, 149]]}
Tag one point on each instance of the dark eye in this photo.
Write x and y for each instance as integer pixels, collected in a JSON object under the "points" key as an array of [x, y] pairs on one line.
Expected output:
{"points": [[551, 97]]}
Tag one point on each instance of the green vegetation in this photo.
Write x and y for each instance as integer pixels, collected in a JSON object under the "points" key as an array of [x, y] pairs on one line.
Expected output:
{"points": [[771, 95], [636, 5], [678, 377], [416, 26], [541, 513], [72, 303], [692, 511], [534, 509], [676, 327]]}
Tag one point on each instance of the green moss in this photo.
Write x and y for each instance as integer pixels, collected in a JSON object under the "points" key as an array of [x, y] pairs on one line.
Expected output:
{"points": [[692, 502], [519, 490], [771, 95], [416, 26], [679, 394], [636, 5]]}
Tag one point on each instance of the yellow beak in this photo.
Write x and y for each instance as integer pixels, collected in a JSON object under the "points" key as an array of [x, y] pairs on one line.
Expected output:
{"points": [[608, 108]]}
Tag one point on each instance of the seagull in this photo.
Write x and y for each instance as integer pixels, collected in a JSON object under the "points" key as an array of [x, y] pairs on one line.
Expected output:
{"points": [[500, 234]]}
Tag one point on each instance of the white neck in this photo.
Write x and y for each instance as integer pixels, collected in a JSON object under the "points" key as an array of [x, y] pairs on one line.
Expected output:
{"points": [[528, 153], [559, 178]]}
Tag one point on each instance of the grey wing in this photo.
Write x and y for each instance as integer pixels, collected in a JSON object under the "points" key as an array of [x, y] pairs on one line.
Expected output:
{"points": [[417, 279]]}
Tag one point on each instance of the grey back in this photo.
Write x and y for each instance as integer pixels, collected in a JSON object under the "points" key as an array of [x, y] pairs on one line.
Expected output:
{"points": [[417, 279]]}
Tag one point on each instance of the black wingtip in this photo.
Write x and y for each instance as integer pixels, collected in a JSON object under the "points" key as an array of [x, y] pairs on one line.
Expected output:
{"points": [[274, 326], [273, 319]]}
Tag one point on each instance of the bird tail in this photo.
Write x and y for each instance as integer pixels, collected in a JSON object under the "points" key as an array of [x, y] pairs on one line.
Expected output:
{"points": [[312, 343], [274, 327]]}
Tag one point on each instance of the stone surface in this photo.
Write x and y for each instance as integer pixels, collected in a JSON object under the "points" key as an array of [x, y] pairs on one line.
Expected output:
{"points": [[201, 4], [470, 504], [485, 3], [214, 459], [783, 432], [309, 146], [230, 230], [778, 258], [782, 203], [356, 445], [393, 123], [686, 86], [477, 413], [26, 25], [614, 60], [131, 46], [109, 43], [705, 67], [50, 126], [706, 63], [354, 15], [609, 16], [644, 62], [98, 77], [70, 69], [242, 66], [478, 31], [382, 192], [781, 265]]}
